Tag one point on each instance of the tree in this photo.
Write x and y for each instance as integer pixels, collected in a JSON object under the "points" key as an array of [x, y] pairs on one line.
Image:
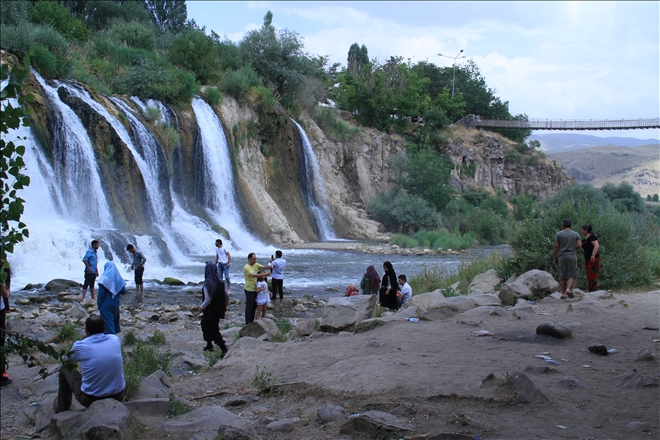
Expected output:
{"points": [[60, 18], [12, 165], [357, 57], [99, 14], [428, 176], [624, 197], [195, 51], [168, 14], [655, 197]]}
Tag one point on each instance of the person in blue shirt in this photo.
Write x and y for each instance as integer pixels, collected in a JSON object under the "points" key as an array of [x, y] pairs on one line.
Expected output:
{"points": [[91, 269], [111, 284], [102, 368]]}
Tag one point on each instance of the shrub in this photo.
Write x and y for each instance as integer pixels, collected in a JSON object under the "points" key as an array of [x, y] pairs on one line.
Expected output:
{"points": [[213, 95], [238, 82], [20, 40], [68, 333], [151, 114], [146, 359], [168, 136], [195, 51], [59, 17], [265, 97], [333, 126], [284, 325], [133, 34], [399, 211]]}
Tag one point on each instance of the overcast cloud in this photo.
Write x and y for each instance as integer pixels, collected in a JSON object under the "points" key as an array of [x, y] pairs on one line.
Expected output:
{"points": [[550, 60]]}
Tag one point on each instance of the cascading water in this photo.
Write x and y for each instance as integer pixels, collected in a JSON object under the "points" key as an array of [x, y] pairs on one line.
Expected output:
{"points": [[77, 172], [217, 189], [314, 190]]}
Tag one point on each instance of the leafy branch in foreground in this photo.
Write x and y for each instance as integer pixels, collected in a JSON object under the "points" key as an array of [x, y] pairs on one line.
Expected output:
{"points": [[24, 346]]}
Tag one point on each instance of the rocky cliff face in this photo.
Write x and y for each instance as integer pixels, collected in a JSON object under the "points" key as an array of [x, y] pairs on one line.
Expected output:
{"points": [[266, 157]]}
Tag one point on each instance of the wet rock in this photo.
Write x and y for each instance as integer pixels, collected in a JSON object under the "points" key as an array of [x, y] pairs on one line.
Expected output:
{"points": [[104, 419], [341, 313], [59, 285], [525, 388], [554, 329], [173, 281], [635, 379], [376, 422], [541, 283], [211, 421], [485, 282], [572, 383]]}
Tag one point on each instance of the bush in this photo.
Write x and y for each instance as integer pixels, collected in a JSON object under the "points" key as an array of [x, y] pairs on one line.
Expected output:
{"points": [[146, 359], [213, 96], [133, 34], [59, 17], [237, 83], [196, 52], [20, 40], [333, 126], [621, 237], [399, 211]]}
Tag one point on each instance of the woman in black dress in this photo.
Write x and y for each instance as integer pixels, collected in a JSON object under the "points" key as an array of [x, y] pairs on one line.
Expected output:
{"points": [[591, 257], [388, 287], [213, 308]]}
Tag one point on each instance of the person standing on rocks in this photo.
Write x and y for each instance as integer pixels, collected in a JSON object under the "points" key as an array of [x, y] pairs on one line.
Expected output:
{"points": [[277, 277], [251, 273], [591, 257], [223, 260], [567, 242], [91, 269], [138, 267], [213, 308], [111, 284], [102, 368]]}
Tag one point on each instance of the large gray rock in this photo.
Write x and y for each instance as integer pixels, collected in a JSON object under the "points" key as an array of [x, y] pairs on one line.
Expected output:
{"points": [[59, 285], [306, 327], [541, 283], [445, 307], [77, 312], [105, 419], [330, 413], [64, 420], [483, 312], [485, 282], [260, 327], [155, 386], [426, 301], [48, 319], [152, 407], [376, 421], [636, 379], [510, 293], [342, 313], [485, 299], [211, 421]]}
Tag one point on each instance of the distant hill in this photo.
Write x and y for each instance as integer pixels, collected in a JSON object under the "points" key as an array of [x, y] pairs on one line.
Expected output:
{"points": [[595, 165], [558, 142]]}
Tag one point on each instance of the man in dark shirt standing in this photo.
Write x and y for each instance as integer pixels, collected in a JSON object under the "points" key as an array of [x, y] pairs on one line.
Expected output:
{"points": [[567, 242], [138, 267]]}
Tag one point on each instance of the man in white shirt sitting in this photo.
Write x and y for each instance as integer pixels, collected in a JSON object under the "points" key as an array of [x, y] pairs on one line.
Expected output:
{"points": [[406, 291], [102, 369]]}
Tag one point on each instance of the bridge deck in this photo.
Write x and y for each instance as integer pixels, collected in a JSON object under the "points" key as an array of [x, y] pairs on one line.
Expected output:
{"points": [[538, 124]]}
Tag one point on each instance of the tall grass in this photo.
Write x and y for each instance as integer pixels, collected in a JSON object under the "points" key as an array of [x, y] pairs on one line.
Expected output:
{"points": [[147, 358], [440, 238]]}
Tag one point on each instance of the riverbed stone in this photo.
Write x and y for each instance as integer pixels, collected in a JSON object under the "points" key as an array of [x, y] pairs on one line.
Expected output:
{"points": [[263, 326], [77, 312], [283, 425], [485, 282], [105, 419], [152, 407], [306, 327], [510, 293], [540, 282], [342, 313], [59, 285], [438, 307], [157, 385]]}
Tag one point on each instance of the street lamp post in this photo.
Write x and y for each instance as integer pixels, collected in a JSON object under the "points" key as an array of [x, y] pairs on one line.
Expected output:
{"points": [[453, 81]]}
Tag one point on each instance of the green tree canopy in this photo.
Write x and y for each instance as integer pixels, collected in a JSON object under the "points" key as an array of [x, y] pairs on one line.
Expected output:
{"points": [[168, 14], [196, 52]]}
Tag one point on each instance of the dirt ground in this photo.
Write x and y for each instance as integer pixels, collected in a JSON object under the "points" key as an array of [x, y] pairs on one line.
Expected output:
{"points": [[437, 370]]}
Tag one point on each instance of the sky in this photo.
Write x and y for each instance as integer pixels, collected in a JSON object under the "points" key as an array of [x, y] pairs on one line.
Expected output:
{"points": [[549, 60]]}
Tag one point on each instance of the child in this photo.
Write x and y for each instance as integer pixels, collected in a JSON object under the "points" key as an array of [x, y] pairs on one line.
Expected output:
{"points": [[263, 294]]}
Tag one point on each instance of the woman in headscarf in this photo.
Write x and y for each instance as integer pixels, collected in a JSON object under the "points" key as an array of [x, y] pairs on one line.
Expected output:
{"points": [[213, 308], [111, 284], [370, 282], [388, 287]]}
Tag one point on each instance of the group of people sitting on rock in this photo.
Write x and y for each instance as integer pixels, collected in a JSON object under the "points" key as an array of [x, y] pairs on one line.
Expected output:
{"points": [[392, 291]]}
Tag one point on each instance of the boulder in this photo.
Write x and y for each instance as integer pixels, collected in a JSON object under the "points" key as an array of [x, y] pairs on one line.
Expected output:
{"points": [[306, 327], [211, 421], [636, 379], [485, 283], [260, 327], [554, 329], [77, 312], [438, 307], [342, 313], [104, 419], [59, 285], [173, 282], [330, 413], [152, 407], [510, 293], [157, 385], [541, 283], [62, 421], [485, 299], [425, 301], [283, 425], [48, 319]]}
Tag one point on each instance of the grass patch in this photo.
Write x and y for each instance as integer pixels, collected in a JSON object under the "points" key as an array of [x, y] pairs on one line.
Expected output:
{"points": [[157, 339], [68, 333], [147, 358], [263, 380], [283, 324], [130, 338], [212, 357], [178, 408]]}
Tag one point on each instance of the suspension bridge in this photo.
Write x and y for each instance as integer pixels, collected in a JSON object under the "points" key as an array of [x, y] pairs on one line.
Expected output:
{"points": [[475, 121]]}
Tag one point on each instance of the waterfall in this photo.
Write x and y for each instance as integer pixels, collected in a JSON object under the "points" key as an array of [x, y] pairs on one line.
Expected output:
{"points": [[80, 191], [216, 184], [314, 190]]}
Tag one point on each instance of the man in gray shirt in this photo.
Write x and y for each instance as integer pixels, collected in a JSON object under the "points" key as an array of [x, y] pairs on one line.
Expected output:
{"points": [[567, 242], [138, 267]]}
